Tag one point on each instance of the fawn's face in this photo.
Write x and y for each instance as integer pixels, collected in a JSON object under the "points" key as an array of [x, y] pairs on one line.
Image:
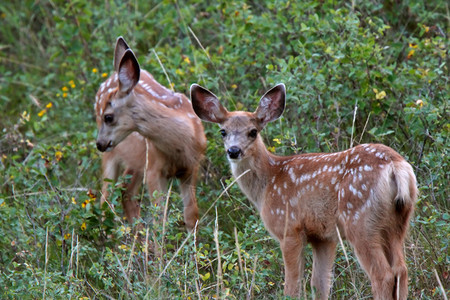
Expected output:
{"points": [[239, 129], [114, 120]]}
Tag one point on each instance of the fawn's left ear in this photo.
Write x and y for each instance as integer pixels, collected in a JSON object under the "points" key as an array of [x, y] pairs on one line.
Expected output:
{"points": [[121, 47], [271, 105], [129, 72], [206, 105]]}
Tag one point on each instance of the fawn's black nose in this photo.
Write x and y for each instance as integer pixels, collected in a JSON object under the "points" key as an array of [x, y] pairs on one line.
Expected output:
{"points": [[234, 152], [102, 146]]}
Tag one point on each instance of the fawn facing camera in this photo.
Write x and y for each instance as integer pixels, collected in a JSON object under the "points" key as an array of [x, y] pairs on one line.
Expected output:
{"points": [[366, 193]]}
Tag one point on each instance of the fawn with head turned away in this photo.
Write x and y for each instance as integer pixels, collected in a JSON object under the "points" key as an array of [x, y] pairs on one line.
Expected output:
{"points": [[365, 194], [164, 127]]}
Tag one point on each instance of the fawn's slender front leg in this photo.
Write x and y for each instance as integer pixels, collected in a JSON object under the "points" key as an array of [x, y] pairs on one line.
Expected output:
{"points": [[131, 206], [110, 171], [189, 200], [292, 249]]}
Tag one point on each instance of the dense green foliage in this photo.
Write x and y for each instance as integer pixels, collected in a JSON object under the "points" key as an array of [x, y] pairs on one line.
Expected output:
{"points": [[387, 59]]}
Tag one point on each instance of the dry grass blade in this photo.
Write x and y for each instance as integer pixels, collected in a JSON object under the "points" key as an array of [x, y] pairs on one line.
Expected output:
{"points": [[444, 293], [169, 263], [353, 123], [223, 192], [219, 261], [46, 263], [130, 286], [164, 70], [250, 291], [197, 280], [238, 250]]}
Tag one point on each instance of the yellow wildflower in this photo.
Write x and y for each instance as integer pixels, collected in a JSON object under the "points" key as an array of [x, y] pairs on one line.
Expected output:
{"points": [[73, 200], [379, 95], [94, 70], [49, 105], [179, 72], [104, 75], [414, 46], [83, 226], [278, 141], [410, 53], [187, 60], [91, 195], [426, 28], [42, 112], [64, 95], [234, 86], [419, 103], [271, 149], [58, 155], [25, 116], [64, 89], [85, 203], [67, 236], [72, 84]]}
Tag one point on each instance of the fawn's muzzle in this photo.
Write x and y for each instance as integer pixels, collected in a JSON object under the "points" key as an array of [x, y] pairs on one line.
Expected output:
{"points": [[234, 152], [103, 146]]}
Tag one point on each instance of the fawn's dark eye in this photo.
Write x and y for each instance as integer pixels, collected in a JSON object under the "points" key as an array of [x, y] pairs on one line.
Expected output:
{"points": [[223, 132], [253, 133], [109, 118]]}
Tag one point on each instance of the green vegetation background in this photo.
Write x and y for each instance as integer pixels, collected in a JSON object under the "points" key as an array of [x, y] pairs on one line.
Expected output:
{"points": [[388, 58]]}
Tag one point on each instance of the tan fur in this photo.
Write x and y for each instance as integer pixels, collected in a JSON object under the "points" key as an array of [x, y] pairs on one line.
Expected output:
{"points": [[176, 142], [368, 192]]}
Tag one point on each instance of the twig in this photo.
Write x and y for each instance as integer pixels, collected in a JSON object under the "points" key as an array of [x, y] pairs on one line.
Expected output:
{"points": [[45, 192]]}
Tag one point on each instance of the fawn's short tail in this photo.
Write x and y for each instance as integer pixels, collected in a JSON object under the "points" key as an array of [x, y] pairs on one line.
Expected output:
{"points": [[406, 186]]}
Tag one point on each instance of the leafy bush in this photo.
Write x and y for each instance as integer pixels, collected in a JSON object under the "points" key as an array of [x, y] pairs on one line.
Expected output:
{"points": [[366, 71]]}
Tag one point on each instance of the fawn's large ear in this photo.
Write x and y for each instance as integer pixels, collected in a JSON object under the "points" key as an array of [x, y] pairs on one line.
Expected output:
{"points": [[121, 47], [206, 105], [271, 105], [128, 71]]}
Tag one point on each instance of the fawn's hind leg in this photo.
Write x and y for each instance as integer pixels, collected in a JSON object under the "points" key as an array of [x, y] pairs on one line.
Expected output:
{"points": [[323, 259]]}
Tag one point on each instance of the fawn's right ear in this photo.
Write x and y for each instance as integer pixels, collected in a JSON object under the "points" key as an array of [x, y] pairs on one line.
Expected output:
{"points": [[129, 72], [121, 47], [206, 105]]}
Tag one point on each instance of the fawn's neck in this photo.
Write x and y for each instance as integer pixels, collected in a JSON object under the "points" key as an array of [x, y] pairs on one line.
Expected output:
{"points": [[168, 130], [254, 183]]}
